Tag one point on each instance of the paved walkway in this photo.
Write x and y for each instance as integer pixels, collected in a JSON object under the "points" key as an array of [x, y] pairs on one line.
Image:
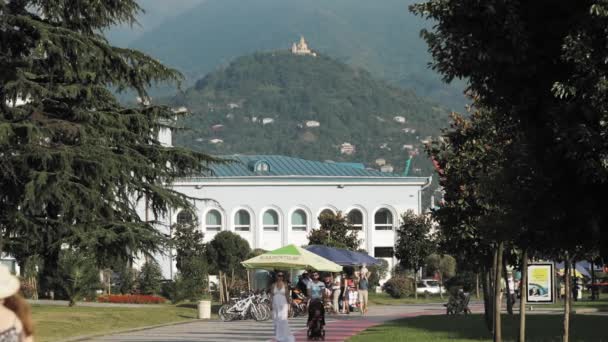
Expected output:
{"points": [[338, 328]]}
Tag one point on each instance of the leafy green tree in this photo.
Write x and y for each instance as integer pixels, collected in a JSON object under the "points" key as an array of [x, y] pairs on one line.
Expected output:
{"points": [[150, 278], [377, 272], [192, 279], [414, 242], [554, 91], [226, 251], [74, 159], [76, 275], [334, 231], [443, 265]]}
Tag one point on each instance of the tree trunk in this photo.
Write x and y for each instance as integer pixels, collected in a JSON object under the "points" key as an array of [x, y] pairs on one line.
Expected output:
{"points": [[416, 285], [221, 287], [507, 287], [523, 292], [593, 295], [477, 286], [497, 288], [568, 294], [487, 296]]}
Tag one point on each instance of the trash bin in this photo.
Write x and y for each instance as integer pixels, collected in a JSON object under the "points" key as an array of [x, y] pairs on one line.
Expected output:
{"points": [[204, 309]]}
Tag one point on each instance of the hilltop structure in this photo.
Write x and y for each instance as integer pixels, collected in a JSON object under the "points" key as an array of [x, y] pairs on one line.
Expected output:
{"points": [[301, 48]]}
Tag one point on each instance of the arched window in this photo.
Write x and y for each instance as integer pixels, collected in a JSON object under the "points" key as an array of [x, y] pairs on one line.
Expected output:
{"points": [[299, 220], [355, 218], [271, 220], [242, 221], [383, 220], [185, 217], [213, 221]]}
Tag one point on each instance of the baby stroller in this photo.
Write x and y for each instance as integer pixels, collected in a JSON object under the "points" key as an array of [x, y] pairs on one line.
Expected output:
{"points": [[316, 320]]}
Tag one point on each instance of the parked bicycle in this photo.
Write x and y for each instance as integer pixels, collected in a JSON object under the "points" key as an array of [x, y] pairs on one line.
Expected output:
{"points": [[249, 306]]}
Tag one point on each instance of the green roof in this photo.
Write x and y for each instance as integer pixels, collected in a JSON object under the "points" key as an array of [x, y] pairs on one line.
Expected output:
{"points": [[281, 166]]}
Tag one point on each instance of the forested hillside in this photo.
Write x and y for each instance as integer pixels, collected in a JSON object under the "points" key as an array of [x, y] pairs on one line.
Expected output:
{"points": [[305, 106], [380, 36]]}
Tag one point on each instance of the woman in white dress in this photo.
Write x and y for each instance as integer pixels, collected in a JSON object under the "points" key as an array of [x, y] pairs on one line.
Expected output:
{"points": [[280, 309]]}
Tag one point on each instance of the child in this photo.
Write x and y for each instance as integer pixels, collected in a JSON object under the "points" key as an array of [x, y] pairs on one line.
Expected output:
{"points": [[353, 297]]}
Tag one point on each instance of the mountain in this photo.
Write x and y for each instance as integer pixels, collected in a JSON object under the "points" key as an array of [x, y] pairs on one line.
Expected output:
{"points": [[154, 13], [380, 36], [309, 107]]}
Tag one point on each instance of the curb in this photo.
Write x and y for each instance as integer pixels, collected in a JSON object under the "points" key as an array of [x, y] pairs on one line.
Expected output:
{"points": [[148, 327]]}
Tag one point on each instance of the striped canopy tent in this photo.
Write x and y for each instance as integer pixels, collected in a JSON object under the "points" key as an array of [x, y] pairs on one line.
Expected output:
{"points": [[291, 257]]}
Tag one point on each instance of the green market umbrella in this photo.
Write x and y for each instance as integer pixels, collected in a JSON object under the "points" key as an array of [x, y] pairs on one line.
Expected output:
{"points": [[291, 257]]}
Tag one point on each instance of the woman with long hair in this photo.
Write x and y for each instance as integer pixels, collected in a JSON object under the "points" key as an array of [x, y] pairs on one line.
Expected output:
{"points": [[15, 316], [281, 300]]}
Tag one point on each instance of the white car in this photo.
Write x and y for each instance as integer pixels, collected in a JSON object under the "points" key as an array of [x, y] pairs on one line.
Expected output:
{"points": [[430, 286]]}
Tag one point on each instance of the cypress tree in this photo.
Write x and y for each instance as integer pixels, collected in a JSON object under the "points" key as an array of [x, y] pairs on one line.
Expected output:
{"points": [[74, 162]]}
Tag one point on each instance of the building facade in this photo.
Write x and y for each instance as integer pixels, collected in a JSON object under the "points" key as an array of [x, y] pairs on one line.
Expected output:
{"points": [[272, 201]]}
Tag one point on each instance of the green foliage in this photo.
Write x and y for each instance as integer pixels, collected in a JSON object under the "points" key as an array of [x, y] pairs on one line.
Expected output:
{"points": [[76, 276], [414, 240], [75, 163], [553, 92], [192, 278], [150, 278], [444, 265], [334, 231], [377, 272], [226, 252], [387, 44], [124, 278], [399, 286], [349, 104]]}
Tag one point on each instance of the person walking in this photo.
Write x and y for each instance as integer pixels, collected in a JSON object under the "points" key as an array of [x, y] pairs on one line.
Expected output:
{"points": [[336, 296], [280, 309], [316, 288], [363, 288], [15, 316]]}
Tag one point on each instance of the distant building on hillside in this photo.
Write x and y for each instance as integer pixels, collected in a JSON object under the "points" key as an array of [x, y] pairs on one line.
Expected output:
{"points": [[180, 110], [380, 161], [266, 121], [399, 119], [233, 105], [301, 48], [347, 148], [217, 128], [312, 123], [216, 141]]}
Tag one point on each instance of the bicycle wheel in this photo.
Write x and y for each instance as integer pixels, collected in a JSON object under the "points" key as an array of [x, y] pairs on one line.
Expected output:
{"points": [[267, 311], [224, 313], [258, 312]]}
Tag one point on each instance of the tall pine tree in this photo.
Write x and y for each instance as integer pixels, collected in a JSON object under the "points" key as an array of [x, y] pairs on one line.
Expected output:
{"points": [[74, 162]]}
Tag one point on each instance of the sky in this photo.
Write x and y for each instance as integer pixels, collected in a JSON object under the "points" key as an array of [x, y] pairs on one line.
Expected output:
{"points": [[156, 12]]}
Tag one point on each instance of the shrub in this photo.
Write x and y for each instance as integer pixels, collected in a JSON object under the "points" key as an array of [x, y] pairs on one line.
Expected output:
{"points": [[76, 275], [399, 286], [150, 278], [131, 299], [378, 272]]}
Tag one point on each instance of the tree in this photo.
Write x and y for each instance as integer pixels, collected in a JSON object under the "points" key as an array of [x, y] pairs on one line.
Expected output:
{"points": [[414, 242], [191, 262], [553, 91], [224, 255], [442, 265], [150, 278], [75, 162], [334, 231], [77, 277]]}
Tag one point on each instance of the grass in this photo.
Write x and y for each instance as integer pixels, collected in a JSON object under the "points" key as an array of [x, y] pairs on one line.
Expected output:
{"points": [[385, 299], [601, 304], [472, 328], [55, 323]]}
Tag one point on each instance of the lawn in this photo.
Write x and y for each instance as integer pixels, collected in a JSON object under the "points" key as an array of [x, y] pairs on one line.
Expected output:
{"points": [[54, 323], [385, 299], [601, 304], [472, 328]]}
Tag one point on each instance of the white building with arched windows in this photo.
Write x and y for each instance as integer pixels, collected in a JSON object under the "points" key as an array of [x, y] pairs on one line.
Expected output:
{"points": [[272, 201]]}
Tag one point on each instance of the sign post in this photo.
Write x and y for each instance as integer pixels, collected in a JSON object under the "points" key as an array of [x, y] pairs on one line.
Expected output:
{"points": [[541, 283]]}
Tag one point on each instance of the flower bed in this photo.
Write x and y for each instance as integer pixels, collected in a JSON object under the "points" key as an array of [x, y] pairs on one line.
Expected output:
{"points": [[131, 299]]}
